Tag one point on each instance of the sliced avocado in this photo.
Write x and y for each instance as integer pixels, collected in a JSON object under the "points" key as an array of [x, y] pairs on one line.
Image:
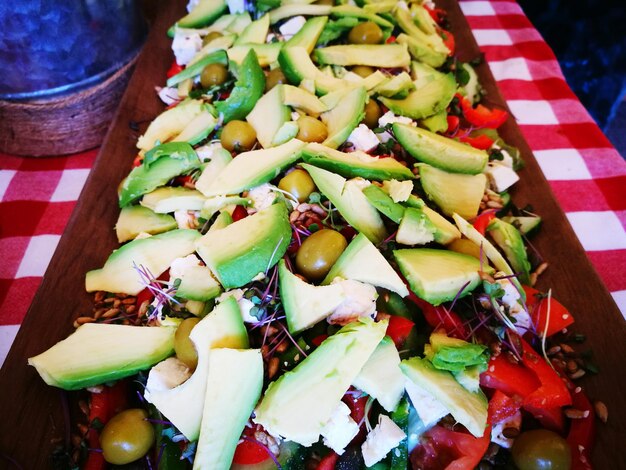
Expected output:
{"points": [[422, 52], [303, 100], [306, 304], [241, 21], [426, 100], [204, 13], [469, 409], [415, 228], [381, 377], [195, 69], [445, 232], [253, 168], [439, 151], [252, 245], [198, 129], [295, 9], [97, 353], [309, 34], [267, 54], [154, 254], [289, 130], [453, 192], [183, 405], [473, 90], [344, 117], [356, 12], [197, 283], [374, 55], [220, 158], [221, 43], [233, 388], [255, 32], [169, 199], [436, 123], [170, 123], [174, 159], [469, 378], [439, 276], [510, 241], [300, 402], [398, 86], [223, 219], [268, 115], [383, 202], [136, 219], [431, 41], [527, 225], [352, 204], [455, 355], [486, 247], [361, 261], [247, 90], [355, 164], [298, 66], [423, 20], [217, 203]]}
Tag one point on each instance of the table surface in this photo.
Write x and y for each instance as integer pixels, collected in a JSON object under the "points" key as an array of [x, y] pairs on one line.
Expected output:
{"points": [[587, 175]]}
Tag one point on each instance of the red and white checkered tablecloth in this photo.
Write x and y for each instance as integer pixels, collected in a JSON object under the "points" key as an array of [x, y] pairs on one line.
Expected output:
{"points": [[585, 172]]}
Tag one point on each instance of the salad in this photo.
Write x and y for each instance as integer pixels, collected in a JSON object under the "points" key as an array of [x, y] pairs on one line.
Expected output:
{"points": [[320, 263]]}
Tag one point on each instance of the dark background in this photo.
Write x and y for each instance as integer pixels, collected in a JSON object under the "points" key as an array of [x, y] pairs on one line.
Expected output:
{"points": [[589, 40]]}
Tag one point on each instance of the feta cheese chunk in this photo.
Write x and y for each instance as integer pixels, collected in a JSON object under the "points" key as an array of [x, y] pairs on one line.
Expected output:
{"points": [[389, 118], [360, 301], [501, 177], [185, 46], [511, 298], [398, 190], [245, 305], [262, 197], [290, 27], [192, 4], [180, 265], [381, 440], [186, 219], [205, 152], [428, 408], [514, 421], [168, 94], [362, 138], [340, 429], [236, 6], [166, 375], [507, 159]]}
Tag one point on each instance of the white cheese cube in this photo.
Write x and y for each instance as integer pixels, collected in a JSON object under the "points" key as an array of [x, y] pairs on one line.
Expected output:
{"points": [[383, 438], [514, 421], [340, 429], [185, 46], [428, 408], [500, 176], [362, 138], [292, 26], [389, 118], [245, 305]]}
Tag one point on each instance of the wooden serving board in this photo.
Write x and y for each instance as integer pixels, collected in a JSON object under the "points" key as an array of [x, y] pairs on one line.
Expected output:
{"points": [[32, 412]]}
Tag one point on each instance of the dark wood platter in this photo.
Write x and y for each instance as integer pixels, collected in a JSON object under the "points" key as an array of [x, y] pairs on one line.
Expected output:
{"points": [[32, 412]]}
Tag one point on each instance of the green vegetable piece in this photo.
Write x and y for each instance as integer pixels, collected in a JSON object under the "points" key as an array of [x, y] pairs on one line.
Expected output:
{"points": [[509, 239], [217, 57], [204, 13], [136, 219], [400, 455], [309, 34], [454, 354]]}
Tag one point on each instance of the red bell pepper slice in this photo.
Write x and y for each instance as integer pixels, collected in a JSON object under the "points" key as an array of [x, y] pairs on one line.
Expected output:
{"points": [[482, 221], [481, 116], [174, 69], [437, 14], [511, 379], [249, 452], [581, 434], [481, 142], [448, 40], [440, 317], [328, 462], [390, 40], [502, 406], [398, 329], [537, 304], [319, 339], [453, 124]]}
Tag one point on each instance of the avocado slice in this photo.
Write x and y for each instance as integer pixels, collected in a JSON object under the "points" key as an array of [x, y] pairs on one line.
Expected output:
{"points": [[170, 123], [439, 151], [303, 100], [253, 168], [97, 353], [155, 254], [383, 202], [198, 129], [381, 377], [136, 219], [223, 219], [348, 197], [398, 86], [439, 276], [510, 241], [295, 9], [204, 13], [306, 304], [183, 405], [252, 245], [219, 159], [268, 115], [255, 32], [422, 52], [431, 41], [361, 261], [374, 55], [453, 192], [426, 100], [353, 164], [233, 388], [309, 34], [344, 117], [267, 54], [527, 225], [247, 90], [356, 12], [197, 283], [445, 232], [168, 199], [436, 123], [217, 203], [415, 228], [469, 409], [195, 69], [300, 402]]}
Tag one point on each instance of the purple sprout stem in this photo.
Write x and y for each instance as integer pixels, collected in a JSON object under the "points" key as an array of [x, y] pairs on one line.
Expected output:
{"points": [[293, 340]]}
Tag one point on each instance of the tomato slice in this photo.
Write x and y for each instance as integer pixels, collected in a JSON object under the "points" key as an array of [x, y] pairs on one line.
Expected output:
{"points": [[537, 304], [250, 452], [448, 40], [453, 124], [239, 213], [174, 69], [511, 379], [502, 406], [398, 329], [440, 317], [443, 449], [328, 462], [481, 142]]}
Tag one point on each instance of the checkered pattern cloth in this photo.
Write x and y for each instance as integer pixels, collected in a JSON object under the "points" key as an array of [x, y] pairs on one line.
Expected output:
{"points": [[585, 172]]}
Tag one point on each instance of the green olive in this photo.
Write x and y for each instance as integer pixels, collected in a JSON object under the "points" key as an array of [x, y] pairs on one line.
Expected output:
{"points": [[372, 113], [366, 33], [213, 74], [298, 183], [318, 253], [209, 37], [541, 449], [238, 136], [127, 437], [311, 130], [185, 350], [363, 70], [273, 78]]}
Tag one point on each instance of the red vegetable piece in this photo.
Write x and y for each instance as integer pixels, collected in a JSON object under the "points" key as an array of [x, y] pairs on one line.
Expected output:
{"points": [[481, 142], [357, 412], [581, 431], [390, 40], [328, 462], [511, 379], [249, 452], [537, 304], [137, 161], [398, 329], [239, 213], [502, 406], [437, 14], [174, 69], [440, 317], [182, 180], [481, 116], [453, 123], [482, 221], [319, 339], [448, 40]]}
